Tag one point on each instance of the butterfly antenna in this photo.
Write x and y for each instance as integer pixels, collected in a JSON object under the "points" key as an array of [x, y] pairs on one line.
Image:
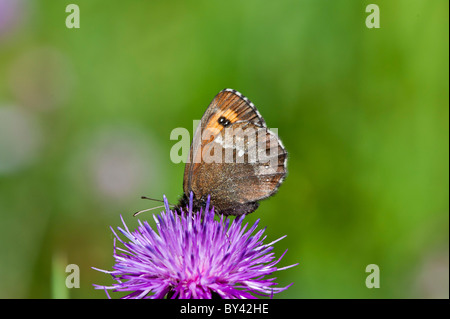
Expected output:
{"points": [[156, 200], [146, 210]]}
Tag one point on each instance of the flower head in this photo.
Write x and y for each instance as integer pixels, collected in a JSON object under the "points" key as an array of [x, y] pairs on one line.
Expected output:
{"points": [[194, 256]]}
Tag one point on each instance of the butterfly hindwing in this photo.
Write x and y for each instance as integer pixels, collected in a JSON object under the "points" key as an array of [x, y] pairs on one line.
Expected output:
{"points": [[243, 176]]}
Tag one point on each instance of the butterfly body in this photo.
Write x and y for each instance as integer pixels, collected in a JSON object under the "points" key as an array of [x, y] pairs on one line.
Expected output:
{"points": [[234, 158]]}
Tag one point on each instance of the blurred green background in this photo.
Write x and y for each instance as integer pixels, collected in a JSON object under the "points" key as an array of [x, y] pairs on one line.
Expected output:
{"points": [[86, 115]]}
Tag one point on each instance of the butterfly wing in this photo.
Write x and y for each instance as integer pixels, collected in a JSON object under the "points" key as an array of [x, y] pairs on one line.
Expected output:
{"points": [[238, 182], [248, 171], [228, 104]]}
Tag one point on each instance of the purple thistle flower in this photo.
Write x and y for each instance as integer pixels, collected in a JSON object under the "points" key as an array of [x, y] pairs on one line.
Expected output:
{"points": [[190, 257]]}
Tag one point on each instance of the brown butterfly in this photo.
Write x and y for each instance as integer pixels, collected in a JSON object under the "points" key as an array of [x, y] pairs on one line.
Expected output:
{"points": [[239, 169]]}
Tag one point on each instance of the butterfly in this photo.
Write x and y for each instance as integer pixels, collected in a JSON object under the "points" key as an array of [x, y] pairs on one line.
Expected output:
{"points": [[236, 170]]}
